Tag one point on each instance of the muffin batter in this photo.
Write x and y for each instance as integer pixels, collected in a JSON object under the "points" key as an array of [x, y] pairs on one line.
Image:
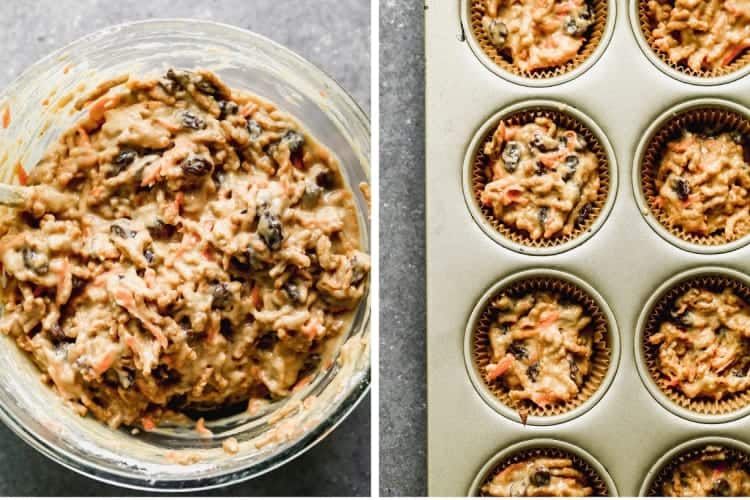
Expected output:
{"points": [[544, 178], [705, 35], [704, 349], [711, 474], [539, 477], [541, 347], [184, 246], [704, 185], [537, 34]]}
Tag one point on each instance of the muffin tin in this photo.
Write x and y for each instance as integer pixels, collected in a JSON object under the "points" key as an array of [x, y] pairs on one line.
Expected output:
{"points": [[625, 260]]}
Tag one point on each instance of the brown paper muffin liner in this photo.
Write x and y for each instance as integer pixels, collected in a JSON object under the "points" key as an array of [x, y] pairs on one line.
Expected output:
{"points": [[664, 475], [647, 26], [659, 314], [595, 481], [599, 11], [480, 177], [482, 349], [698, 120]]}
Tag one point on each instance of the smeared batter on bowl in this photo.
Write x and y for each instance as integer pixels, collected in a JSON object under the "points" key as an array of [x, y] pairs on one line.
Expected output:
{"points": [[704, 348], [544, 178], [536, 34], [704, 185], [542, 347], [711, 474], [705, 35], [539, 477], [183, 246]]}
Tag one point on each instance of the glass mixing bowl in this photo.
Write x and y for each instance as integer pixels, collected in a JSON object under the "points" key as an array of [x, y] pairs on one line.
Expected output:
{"points": [[41, 107]]}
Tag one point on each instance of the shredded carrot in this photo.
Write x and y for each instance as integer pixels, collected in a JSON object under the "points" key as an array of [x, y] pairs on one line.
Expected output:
{"points": [[23, 179], [148, 424], [549, 317], [200, 428], [169, 126], [178, 201], [101, 106], [6, 117], [734, 52], [62, 275], [256, 297], [105, 363], [302, 382], [500, 368], [84, 136]]}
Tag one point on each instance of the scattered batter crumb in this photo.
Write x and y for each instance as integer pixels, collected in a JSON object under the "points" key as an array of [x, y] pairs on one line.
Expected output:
{"points": [[704, 185], [543, 178], [230, 446], [704, 345], [537, 34], [539, 477], [705, 35]]}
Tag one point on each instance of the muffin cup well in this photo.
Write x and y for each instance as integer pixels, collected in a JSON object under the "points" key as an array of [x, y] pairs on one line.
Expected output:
{"points": [[475, 178], [599, 479], [643, 31], [661, 470], [704, 410], [715, 115], [597, 39], [605, 357]]}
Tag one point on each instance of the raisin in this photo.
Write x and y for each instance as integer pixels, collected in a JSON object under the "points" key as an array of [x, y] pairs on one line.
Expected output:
{"points": [[312, 194], [721, 488], [311, 363], [533, 371], [518, 350], [35, 261], [254, 129], [196, 166], [269, 228], [682, 188], [325, 179], [358, 270], [221, 296], [225, 327], [292, 291], [267, 341], [573, 367], [540, 477], [583, 215], [544, 143], [293, 140], [205, 86], [123, 159], [160, 229], [497, 32], [540, 168], [118, 231], [571, 163], [57, 333], [227, 108], [511, 156], [190, 120], [543, 215], [148, 254]]}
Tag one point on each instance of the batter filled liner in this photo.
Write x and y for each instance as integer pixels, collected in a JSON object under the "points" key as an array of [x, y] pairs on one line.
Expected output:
{"points": [[556, 50], [710, 204], [531, 395], [184, 247], [570, 475], [712, 389], [569, 218], [705, 471], [702, 38]]}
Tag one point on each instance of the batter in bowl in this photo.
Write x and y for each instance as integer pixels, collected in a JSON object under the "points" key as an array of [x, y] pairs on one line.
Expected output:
{"points": [[704, 348], [704, 185], [543, 178], [705, 35], [711, 474], [537, 34], [184, 246], [541, 346], [539, 477]]}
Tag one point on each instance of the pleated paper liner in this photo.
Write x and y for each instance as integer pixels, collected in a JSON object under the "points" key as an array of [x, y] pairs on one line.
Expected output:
{"points": [[481, 177], [647, 26], [594, 480], [665, 474], [601, 352], [698, 120], [660, 313]]}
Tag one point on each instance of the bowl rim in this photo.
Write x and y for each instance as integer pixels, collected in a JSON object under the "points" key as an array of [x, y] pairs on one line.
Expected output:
{"points": [[341, 408]]}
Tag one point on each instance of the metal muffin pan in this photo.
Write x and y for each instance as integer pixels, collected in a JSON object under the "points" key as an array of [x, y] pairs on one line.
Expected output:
{"points": [[627, 430]]}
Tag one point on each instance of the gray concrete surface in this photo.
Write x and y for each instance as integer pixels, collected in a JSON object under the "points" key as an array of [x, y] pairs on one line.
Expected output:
{"points": [[333, 34], [402, 299]]}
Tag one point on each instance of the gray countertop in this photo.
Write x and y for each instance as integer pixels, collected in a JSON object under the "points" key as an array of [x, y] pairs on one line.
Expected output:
{"points": [[334, 35], [402, 300]]}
